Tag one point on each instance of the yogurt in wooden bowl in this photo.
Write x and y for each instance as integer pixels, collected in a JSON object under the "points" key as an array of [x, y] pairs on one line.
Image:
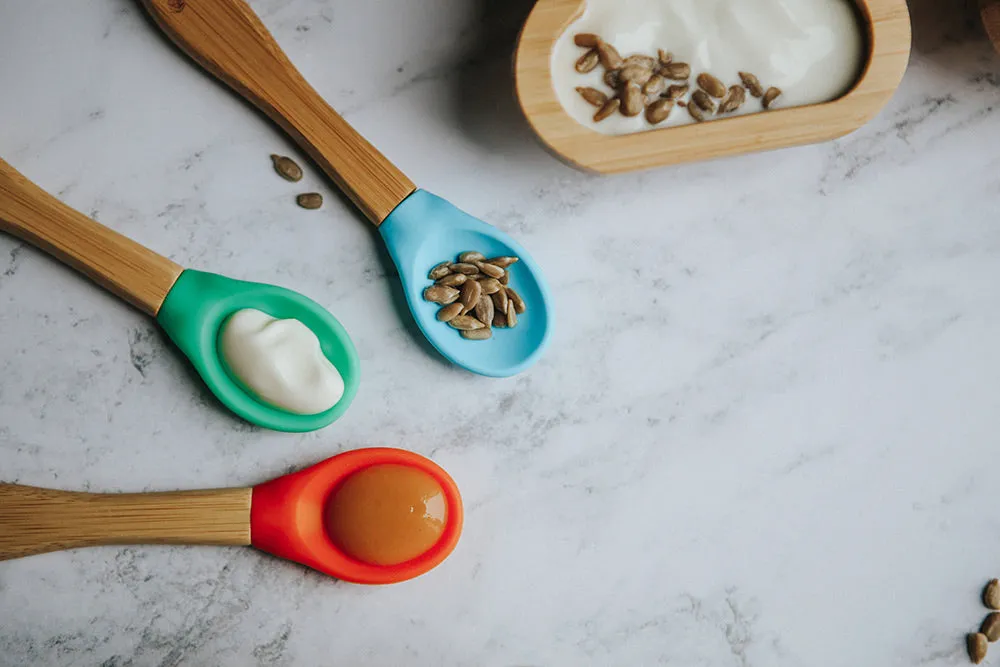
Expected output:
{"points": [[828, 66]]}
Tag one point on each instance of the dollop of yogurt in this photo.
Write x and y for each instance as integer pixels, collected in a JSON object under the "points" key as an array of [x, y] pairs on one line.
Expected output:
{"points": [[813, 50], [281, 362]]}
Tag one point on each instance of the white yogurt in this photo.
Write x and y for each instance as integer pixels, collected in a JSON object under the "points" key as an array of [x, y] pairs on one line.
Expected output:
{"points": [[281, 362], [813, 50]]}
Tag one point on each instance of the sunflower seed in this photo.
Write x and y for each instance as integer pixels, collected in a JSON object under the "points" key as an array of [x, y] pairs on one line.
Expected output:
{"points": [[611, 79], [665, 57], [658, 111], [471, 291], [490, 285], [484, 310], [503, 262], [440, 271], [471, 257], [505, 280], [991, 626], [309, 200], [676, 91], [588, 62], [466, 323], [632, 101], [656, 85], [609, 108], [770, 96], [441, 294], [734, 99], [500, 300], [466, 268], [516, 299], [976, 644], [491, 270], [636, 73], [287, 168], [696, 112], [587, 40], [752, 83], [453, 280], [646, 61], [676, 71], [991, 594], [702, 101], [592, 96], [511, 315], [610, 58], [500, 319], [711, 85], [450, 312], [478, 334]]}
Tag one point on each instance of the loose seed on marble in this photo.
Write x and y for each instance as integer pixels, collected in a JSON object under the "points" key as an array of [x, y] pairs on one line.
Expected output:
{"points": [[991, 626], [450, 312], [441, 295], [592, 96], [977, 644], [309, 200], [991, 594], [287, 168]]}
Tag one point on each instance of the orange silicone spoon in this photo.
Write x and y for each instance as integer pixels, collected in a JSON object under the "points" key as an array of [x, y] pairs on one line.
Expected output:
{"points": [[285, 517]]}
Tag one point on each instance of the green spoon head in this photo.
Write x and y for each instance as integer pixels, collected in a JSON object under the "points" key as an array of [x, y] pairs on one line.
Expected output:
{"points": [[193, 313]]}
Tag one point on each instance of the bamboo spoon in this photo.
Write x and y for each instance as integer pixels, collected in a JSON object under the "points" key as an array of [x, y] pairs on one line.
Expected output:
{"points": [[420, 230], [189, 305], [284, 517]]}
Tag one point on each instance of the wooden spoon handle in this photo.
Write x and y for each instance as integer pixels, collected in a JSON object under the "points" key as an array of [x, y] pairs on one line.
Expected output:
{"points": [[228, 39], [115, 262], [35, 520]]}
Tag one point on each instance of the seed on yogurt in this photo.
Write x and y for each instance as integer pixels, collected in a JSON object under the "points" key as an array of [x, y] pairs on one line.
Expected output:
{"points": [[656, 85], [608, 110], [665, 57], [676, 91], [587, 40], [658, 111], [696, 112], [676, 71], [639, 74], [592, 96], [702, 100], [611, 79], [734, 99], [752, 84], [632, 100], [711, 85], [770, 96], [588, 62], [609, 56]]}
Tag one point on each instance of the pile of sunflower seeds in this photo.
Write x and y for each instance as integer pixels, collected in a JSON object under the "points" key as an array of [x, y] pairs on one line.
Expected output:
{"points": [[289, 170], [475, 294], [989, 630], [655, 85]]}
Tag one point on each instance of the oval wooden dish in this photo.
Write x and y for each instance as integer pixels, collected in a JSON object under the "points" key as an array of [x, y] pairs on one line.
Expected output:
{"points": [[888, 44]]}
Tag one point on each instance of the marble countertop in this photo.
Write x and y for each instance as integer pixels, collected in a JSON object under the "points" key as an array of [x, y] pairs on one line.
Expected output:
{"points": [[762, 436]]}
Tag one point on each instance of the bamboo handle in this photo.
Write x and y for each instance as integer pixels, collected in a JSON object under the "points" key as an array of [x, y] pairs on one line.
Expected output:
{"points": [[990, 11], [115, 262], [35, 520], [228, 39]]}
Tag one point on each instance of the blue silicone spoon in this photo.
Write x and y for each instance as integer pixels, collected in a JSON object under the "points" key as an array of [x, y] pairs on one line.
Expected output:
{"points": [[190, 306], [420, 230]]}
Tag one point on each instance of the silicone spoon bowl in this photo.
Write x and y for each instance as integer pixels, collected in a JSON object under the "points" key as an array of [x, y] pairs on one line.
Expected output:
{"points": [[284, 517], [191, 306], [228, 39]]}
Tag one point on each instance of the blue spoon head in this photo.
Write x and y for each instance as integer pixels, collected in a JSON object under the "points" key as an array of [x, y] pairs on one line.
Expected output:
{"points": [[425, 230], [198, 305]]}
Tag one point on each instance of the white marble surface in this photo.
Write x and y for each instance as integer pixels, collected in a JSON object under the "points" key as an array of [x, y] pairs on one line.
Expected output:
{"points": [[763, 436]]}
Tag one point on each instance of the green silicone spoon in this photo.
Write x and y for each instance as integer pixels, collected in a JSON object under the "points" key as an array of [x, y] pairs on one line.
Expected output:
{"points": [[191, 306]]}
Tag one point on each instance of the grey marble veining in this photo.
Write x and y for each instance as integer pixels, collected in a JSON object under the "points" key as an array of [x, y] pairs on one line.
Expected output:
{"points": [[763, 436]]}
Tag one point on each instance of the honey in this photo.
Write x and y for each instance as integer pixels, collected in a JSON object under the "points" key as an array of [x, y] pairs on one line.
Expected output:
{"points": [[387, 514]]}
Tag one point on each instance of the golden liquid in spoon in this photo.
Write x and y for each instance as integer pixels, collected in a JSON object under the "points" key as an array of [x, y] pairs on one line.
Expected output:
{"points": [[387, 514]]}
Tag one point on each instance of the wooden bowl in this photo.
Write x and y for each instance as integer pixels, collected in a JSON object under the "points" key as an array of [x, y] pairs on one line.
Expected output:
{"points": [[888, 24], [990, 11]]}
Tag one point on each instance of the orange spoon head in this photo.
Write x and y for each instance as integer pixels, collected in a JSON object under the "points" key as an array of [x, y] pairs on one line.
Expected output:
{"points": [[289, 517]]}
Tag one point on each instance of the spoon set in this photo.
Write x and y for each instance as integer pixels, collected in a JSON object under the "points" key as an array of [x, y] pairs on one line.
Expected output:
{"points": [[285, 516]]}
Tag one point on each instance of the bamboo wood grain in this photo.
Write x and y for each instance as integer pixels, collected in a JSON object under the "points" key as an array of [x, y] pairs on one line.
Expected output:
{"points": [[115, 262], [35, 520], [889, 48], [229, 40]]}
